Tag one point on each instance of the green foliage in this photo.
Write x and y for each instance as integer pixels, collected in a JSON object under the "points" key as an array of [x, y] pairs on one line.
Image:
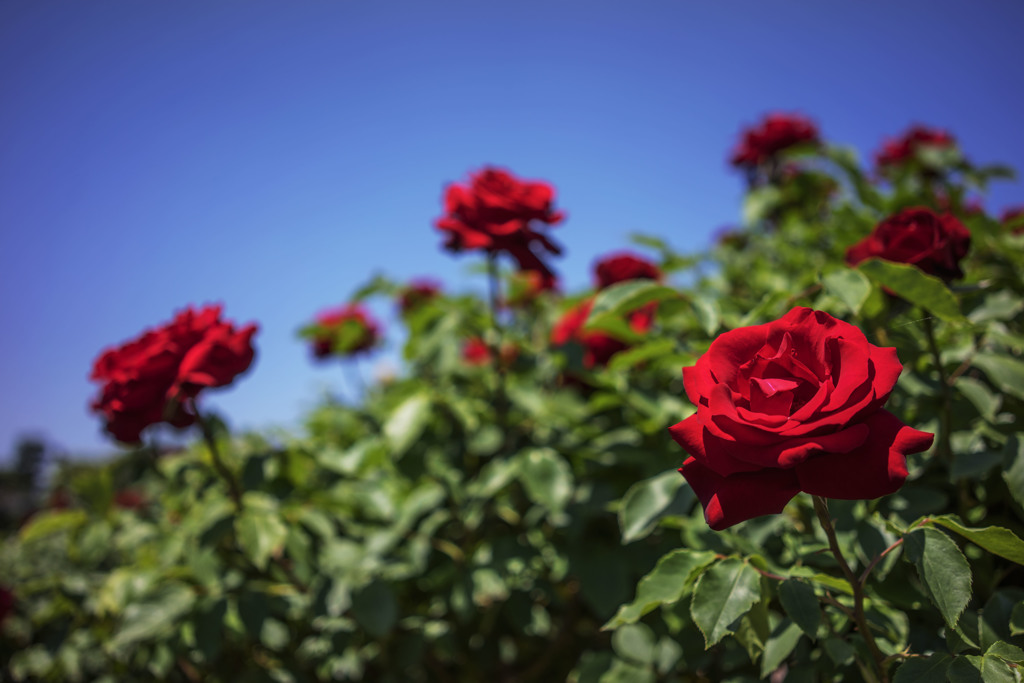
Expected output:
{"points": [[523, 520]]}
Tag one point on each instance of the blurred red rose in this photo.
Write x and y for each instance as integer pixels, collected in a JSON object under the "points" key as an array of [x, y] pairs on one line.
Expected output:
{"points": [[147, 380], [918, 236], [497, 212], [774, 134], [476, 352], [1015, 215], [792, 405], [598, 348], [129, 499], [416, 293], [897, 151], [344, 331], [624, 266]]}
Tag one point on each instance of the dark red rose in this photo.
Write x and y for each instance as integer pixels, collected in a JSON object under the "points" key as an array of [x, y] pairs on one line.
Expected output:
{"points": [[129, 499], [919, 236], [1014, 216], [6, 603], [345, 331], [147, 380], [774, 134], [598, 348], [624, 266], [417, 293], [793, 405], [497, 212], [899, 150]]}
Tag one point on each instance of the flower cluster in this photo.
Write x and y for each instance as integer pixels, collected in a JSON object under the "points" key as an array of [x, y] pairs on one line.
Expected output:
{"points": [[155, 377], [788, 406]]}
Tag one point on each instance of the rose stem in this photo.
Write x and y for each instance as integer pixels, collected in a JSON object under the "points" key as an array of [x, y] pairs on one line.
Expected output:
{"points": [[494, 285], [821, 508], [945, 451], [235, 490], [211, 442]]}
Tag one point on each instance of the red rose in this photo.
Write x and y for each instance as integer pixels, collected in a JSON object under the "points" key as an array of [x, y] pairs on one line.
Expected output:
{"points": [[417, 293], [129, 499], [147, 380], [498, 212], [1014, 215], [895, 152], [476, 352], [775, 133], [344, 331], [793, 405], [919, 236], [624, 266], [598, 348]]}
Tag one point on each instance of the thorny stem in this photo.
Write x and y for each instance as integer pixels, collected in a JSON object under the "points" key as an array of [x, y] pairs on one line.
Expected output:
{"points": [[945, 451], [821, 508]]}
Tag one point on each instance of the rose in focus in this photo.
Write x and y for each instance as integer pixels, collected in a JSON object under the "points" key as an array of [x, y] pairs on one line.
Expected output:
{"points": [[151, 379], [344, 331], [789, 406], [775, 133], [497, 212], [933, 242]]}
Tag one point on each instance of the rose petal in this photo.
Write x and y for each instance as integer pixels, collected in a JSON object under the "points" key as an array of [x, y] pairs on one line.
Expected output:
{"points": [[734, 499], [876, 468]]}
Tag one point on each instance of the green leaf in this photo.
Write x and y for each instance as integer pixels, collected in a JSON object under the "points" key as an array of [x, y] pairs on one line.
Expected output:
{"points": [[622, 671], [624, 297], [1002, 305], [1006, 652], [943, 570], [656, 348], [49, 522], [1005, 372], [1014, 474], [671, 579], [849, 286], [406, 423], [1017, 620], [261, 533], [708, 313], [995, 539], [978, 393], [647, 500], [722, 595], [975, 669], [153, 618], [839, 651], [923, 669], [915, 286], [779, 646], [801, 604], [547, 478], [634, 642], [375, 608]]}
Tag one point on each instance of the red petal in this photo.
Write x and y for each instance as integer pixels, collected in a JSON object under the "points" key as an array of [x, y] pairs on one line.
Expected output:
{"points": [[737, 498]]}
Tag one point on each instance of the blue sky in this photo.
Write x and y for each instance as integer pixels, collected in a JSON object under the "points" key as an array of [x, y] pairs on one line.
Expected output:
{"points": [[273, 155]]}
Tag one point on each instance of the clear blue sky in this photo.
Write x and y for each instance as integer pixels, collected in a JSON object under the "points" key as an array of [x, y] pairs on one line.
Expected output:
{"points": [[273, 155]]}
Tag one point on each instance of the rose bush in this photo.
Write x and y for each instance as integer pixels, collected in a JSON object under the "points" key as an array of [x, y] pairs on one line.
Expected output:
{"points": [[623, 266], [933, 242], [904, 148], [598, 347], [150, 379], [416, 293]]}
